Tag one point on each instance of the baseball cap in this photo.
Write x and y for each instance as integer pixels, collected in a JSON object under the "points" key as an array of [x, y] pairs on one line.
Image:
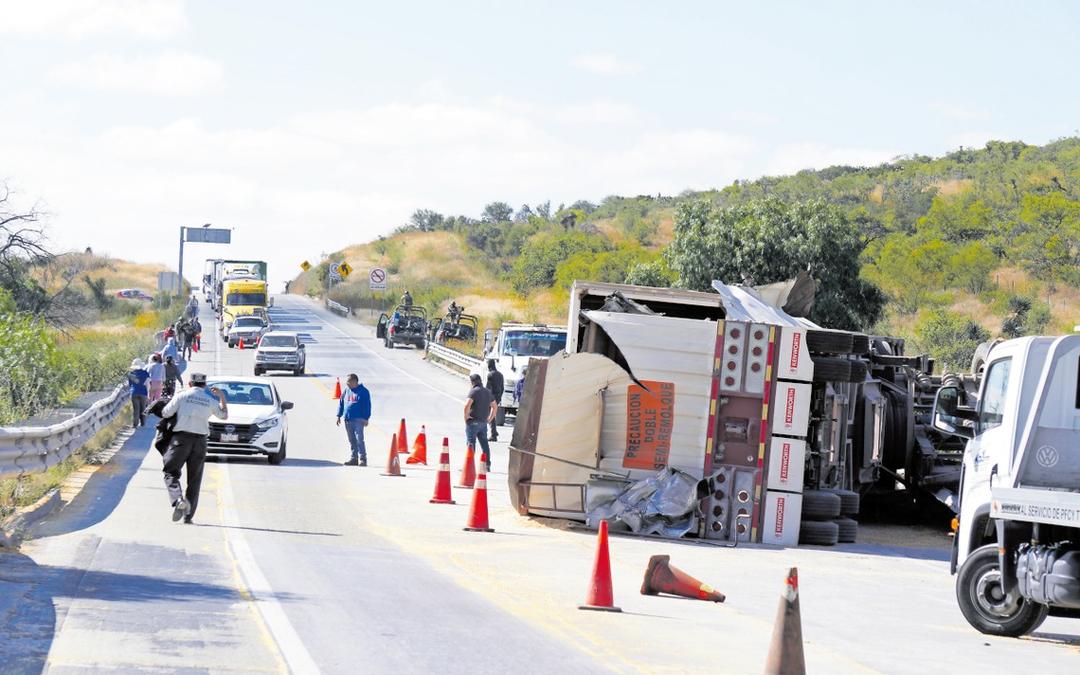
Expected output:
{"points": [[198, 378]]}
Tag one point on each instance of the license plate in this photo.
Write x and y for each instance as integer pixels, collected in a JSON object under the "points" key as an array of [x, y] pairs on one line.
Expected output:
{"points": [[230, 438]]}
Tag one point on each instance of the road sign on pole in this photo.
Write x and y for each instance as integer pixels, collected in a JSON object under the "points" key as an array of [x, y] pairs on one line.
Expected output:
{"points": [[305, 266], [377, 279], [344, 269]]}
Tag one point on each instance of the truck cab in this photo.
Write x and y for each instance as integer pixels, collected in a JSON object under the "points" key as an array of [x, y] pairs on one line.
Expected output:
{"points": [[1017, 548], [512, 346], [240, 295]]}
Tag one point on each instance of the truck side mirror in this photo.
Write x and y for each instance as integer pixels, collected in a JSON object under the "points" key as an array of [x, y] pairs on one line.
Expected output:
{"points": [[947, 415], [489, 338]]}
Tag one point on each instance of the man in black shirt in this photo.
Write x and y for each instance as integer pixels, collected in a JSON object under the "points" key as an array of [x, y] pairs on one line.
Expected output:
{"points": [[480, 409], [495, 384]]}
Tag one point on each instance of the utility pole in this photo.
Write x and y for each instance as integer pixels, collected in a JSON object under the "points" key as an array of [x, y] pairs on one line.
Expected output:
{"points": [[180, 265]]}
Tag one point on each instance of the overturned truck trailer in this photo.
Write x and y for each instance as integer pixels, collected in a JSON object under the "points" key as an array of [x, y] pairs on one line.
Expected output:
{"points": [[776, 424]]}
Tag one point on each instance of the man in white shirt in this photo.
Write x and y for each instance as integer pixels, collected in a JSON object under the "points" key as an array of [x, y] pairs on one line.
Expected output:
{"points": [[193, 409]]}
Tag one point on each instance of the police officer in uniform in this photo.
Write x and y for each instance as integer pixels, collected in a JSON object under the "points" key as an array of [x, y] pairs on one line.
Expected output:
{"points": [[193, 409]]}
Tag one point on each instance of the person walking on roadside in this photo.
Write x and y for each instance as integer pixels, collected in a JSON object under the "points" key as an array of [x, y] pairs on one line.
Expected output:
{"points": [[495, 384], [187, 339], [137, 378], [192, 409], [355, 407], [196, 326], [172, 376], [479, 412], [157, 376], [170, 349]]}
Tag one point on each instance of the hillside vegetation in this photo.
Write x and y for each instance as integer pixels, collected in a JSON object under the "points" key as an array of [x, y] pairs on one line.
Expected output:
{"points": [[944, 251]]}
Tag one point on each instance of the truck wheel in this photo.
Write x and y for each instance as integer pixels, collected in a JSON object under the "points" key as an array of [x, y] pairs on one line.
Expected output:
{"points": [[831, 369], [258, 372], [829, 341], [978, 592], [849, 502], [860, 344], [847, 530], [858, 371], [818, 533], [500, 416], [820, 505]]}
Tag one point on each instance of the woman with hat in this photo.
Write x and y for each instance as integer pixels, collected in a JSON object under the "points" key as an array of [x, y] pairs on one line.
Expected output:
{"points": [[137, 377]]}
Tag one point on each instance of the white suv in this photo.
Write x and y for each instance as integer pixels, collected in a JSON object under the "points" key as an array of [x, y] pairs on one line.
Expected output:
{"points": [[257, 423], [280, 350]]}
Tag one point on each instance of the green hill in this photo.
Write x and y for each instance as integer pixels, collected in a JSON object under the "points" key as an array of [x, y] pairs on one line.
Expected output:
{"points": [[977, 242]]}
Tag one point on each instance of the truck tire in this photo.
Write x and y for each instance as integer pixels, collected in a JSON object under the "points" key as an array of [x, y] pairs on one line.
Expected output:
{"points": [[818, 533], [860, 344], [831, 369], [858, 371], [847, 530], [978, 592], [849, 502], [500, 416], [829, 341], [820, 505]]}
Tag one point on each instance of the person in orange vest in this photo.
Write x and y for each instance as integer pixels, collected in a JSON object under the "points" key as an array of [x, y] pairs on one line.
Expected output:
{"points": [[355, 407]]}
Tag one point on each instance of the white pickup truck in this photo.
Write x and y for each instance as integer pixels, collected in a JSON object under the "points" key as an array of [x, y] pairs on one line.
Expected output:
{"points": [[1017, 548], [512, 346]]}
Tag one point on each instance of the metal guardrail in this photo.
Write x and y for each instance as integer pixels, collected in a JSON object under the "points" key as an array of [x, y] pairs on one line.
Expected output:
{"points": [[453, 357], [337, 308], [26, 450]]}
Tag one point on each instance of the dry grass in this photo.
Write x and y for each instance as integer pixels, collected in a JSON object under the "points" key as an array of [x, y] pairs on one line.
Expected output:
{"points": [[117, 273], [947, 188]]}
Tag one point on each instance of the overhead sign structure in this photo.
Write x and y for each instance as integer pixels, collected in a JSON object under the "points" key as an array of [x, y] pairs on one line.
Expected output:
{"points": [[208, 235], [305, 266], [344, 269], [377, 279]]}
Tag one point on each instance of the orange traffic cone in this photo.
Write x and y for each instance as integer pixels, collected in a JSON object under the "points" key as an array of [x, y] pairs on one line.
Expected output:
{"points": [[468, 470], [337, 388], [599, 596], [419, 448], [786, 651], [478, 510], [393, 468], [442, 478], [241, 345], [663, 577], [402, 438]]}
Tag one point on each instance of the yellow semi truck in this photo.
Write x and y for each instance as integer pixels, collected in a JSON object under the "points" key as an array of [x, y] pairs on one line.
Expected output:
{"points": [[241, 295]]}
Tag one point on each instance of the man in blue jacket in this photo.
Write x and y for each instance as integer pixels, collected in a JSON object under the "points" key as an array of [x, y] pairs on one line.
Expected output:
{"points": [[355, 406]]}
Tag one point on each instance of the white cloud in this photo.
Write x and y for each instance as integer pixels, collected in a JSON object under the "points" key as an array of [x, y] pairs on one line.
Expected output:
{"points": [[169, 73], [604, 63], [795, 157], [77, 19]]}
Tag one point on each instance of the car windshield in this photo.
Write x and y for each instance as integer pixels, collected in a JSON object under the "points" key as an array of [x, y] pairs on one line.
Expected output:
{"points": [[532, 343], [245, 393], [249, 322], [278, 341]]}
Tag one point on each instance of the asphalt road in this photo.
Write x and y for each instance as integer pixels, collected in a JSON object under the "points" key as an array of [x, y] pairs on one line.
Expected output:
{"points": [[312, 566]]}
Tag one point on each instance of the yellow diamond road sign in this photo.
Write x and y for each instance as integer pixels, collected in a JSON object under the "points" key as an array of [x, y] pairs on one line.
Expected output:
{"points": [[344, 269], [305, 266]]}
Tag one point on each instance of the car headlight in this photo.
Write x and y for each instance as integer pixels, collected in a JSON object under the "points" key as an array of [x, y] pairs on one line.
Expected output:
{"points": [[269, 423]]}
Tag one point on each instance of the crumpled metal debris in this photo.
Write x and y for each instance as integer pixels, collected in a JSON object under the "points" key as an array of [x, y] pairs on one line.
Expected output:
{"points": [[664, 504]]}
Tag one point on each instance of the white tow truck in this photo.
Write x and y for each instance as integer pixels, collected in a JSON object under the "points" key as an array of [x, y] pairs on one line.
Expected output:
{"points": [[1017, 548]]}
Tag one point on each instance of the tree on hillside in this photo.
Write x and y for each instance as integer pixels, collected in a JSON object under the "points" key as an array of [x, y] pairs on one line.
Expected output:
{"points": [[523, 214], [950, 338], [767, 240], [426, 220], [497, 212], [544, 210], [542, 255]]}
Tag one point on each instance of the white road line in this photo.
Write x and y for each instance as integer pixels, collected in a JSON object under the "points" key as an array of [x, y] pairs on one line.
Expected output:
{"points": [[288, 641], [386, 361]]}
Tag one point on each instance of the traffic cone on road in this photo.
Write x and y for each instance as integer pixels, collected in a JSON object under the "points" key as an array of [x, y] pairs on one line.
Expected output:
{"points": [[478, 509], [663, 577], [419, 448], [599, 596], [241, 345], [402, 438], [442, 478], [468, 470], [337, 389], [393, 468], [786, 651]]}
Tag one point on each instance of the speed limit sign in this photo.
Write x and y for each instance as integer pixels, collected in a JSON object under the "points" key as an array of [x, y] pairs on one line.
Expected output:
{"points": [[377, 279]]}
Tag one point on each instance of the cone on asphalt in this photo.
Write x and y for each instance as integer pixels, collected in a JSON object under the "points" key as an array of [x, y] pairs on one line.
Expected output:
{"points": [[442, 478], [402, 438], [468, 469], [786, 651], [599, 595], [337, 389], [393, 467], [478, 509], [419, 448], [241, 345], [663, 577]]}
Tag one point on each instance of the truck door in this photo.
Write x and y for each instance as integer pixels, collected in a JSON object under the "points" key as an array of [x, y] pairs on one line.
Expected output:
{"points": [[380, 328]]}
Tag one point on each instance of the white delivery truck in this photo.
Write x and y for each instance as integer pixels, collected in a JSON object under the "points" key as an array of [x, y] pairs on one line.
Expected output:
{"points": [[512, 346], [1017, 547]]}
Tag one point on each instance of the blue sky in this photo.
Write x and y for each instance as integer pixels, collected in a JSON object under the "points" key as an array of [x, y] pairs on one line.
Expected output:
{"points": [[309, 126]]}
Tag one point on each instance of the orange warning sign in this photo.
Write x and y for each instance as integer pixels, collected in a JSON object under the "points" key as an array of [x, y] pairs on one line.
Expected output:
{"points": [[650, 418]]}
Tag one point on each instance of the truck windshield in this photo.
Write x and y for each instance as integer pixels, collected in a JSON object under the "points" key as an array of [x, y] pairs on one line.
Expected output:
{"points": [[278, 341], [533, 343], [258, 299]]}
